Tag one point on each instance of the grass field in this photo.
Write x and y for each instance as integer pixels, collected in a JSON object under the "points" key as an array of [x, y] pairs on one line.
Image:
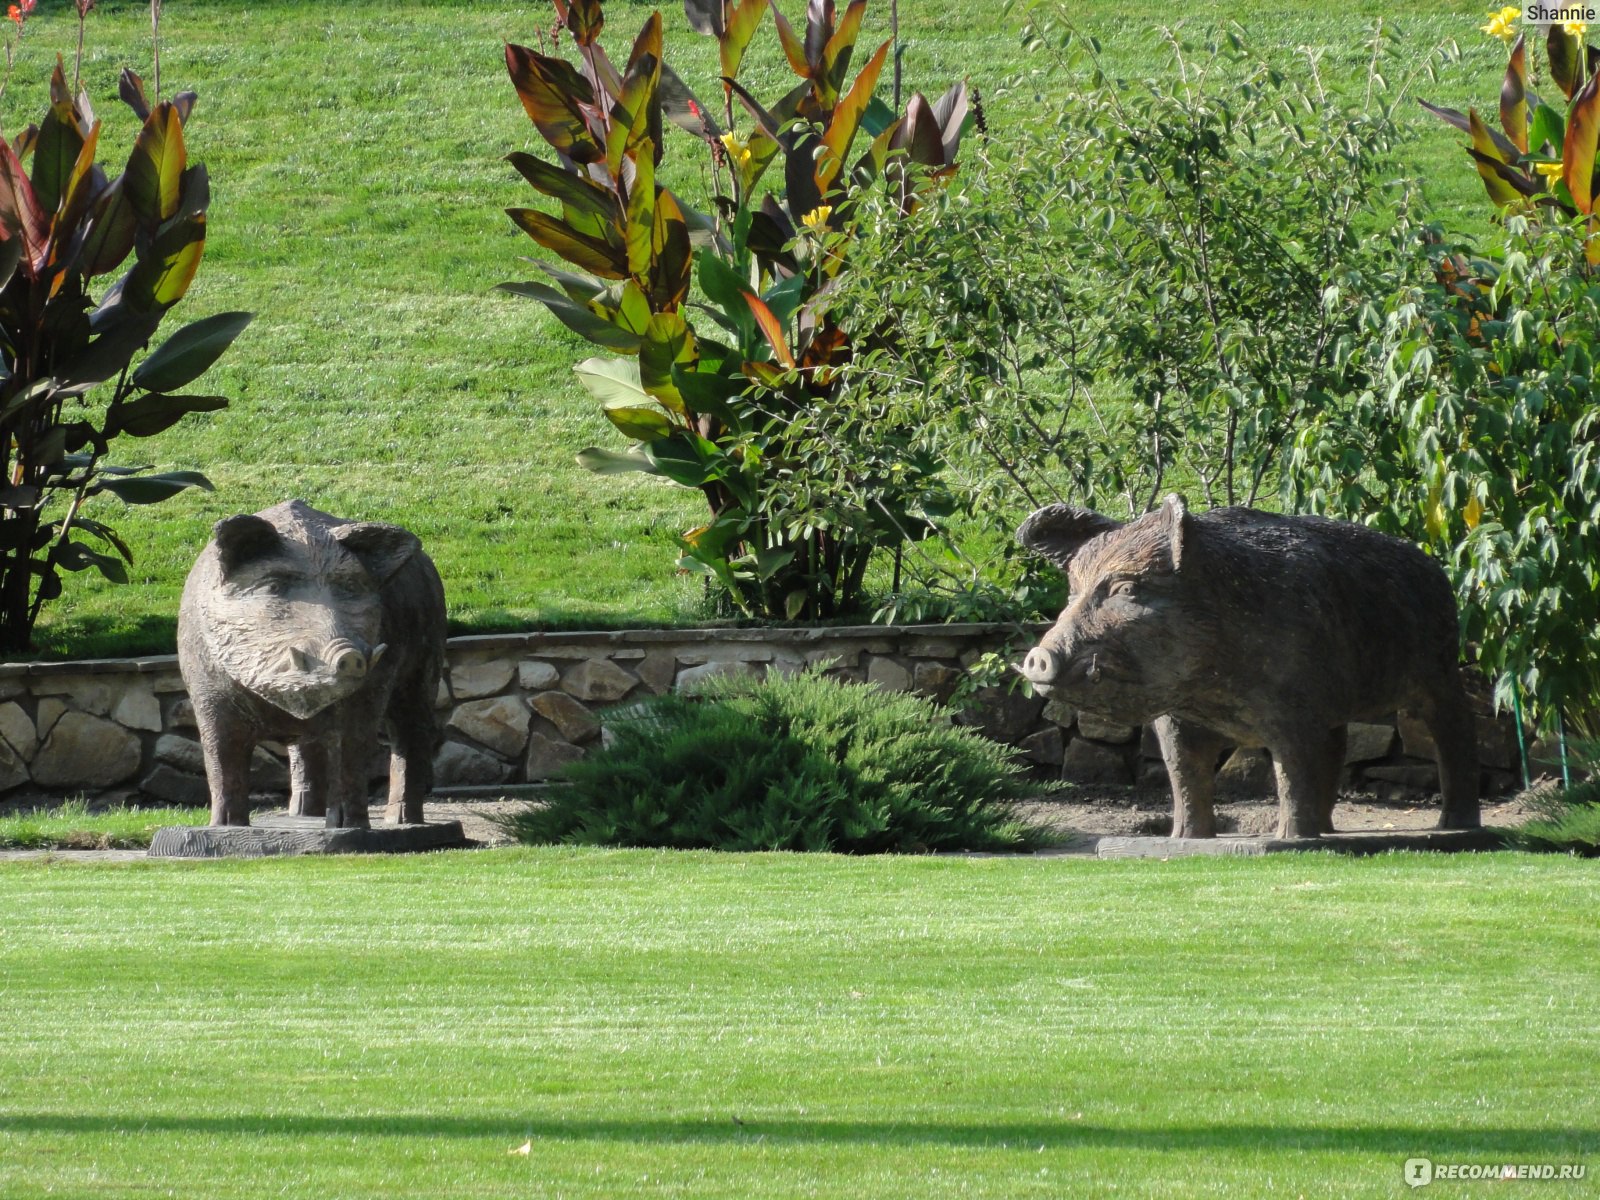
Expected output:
{"points": [[355, 151], [669, 1024], [71, 826]]}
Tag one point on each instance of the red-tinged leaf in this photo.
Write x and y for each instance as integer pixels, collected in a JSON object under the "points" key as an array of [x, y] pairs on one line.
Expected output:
{"points": [[771, 329], [639, 233], [743, 22], [705, 16], [1500, 192], [672, 255], [569, 187], [156, 166], [555, 98], [838, 51], [950, 113], [819, 28], [582, 18], [919, 134], [846, 119], [25, 141], [163, 273], [1578, 154], [20, 212], [793, 48], [588, 253], [1519, 180], [112, 227], [131, 88], [635, 112], [1566, 63], [668, 340], [676, 99], [1514, 97]]}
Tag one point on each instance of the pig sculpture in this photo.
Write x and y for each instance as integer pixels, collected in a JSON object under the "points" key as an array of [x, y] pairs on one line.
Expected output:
{"points": [[308, 629], [1238, 627]]}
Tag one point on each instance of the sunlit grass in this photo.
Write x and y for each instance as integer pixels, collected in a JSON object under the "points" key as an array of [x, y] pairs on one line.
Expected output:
{"points": [[74, 826]]}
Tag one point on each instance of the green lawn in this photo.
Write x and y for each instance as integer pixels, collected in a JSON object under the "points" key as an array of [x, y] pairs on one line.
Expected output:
{"points": [[669, 1024], [72, 826], [355, 150]]}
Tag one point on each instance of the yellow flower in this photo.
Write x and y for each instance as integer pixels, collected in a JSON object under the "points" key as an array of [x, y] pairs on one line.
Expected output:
{"points": [[1575, 28], [1551, 171], [817, 218], [1502, 24], [738, 152]]}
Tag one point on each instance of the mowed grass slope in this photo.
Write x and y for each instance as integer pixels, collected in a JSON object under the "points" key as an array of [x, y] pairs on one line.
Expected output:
{"points": [[355, 150], [669, 1024]]}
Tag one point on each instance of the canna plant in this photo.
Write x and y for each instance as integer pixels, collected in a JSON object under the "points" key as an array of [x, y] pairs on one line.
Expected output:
{"points": [[724, 353], [64, 225], [1543, 154]]}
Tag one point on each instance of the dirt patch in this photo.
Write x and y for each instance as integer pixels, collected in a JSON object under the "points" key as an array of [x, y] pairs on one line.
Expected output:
{"points": [[1082, 814]]}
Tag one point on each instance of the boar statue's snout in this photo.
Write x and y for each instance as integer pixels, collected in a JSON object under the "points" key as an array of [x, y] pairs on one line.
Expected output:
{"points": [[341, 658], [1041, 666]]}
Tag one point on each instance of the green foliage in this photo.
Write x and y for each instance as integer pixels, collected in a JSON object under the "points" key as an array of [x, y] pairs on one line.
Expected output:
{"points": [[73, 826], [61, 228], [790, 763], [1154, 288], [1476, 435], [1568, 820], [751, 410]]}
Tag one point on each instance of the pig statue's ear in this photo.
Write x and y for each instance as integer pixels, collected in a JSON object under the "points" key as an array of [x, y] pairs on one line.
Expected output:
{"points": [[1175, 516], [244, 539], [382, 549], [1059, 531]]}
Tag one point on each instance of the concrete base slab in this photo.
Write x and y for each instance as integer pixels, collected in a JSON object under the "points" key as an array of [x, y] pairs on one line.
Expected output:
{"points": [[1438, 840], [279, 833]]}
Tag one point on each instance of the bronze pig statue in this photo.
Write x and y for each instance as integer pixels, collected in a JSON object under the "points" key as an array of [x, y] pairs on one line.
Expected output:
{"points": [[1239, 627], [309, 629]]}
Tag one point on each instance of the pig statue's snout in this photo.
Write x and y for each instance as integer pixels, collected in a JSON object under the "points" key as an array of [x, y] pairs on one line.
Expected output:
{"points": [[1041, 666], [341, 658]]}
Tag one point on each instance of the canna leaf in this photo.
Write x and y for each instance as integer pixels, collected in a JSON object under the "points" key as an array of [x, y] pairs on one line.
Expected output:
{"points": [[1549, 128], [640, 423], [57, 151], [1578, 150], [554, 96], [743, 22], [671, 254], [846, 119], [793, 48], [576, 316], [675, 99], [1451, 116], [112, 227], [612, 462], [190, 353], [20, 213], [1514, 96], [153, 414], [640, 230], [155, 168], [668, 342], [1566, 63], [583, 19], [836, 53], [950, 114], [588, 253], [1501, 193], [771, 328], [705, 16], [150, 489], [569, 187], [635, 115]]}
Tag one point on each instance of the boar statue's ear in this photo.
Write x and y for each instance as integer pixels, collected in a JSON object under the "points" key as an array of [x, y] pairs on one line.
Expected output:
{"points": [[242, 539], [382, 549], [1175, 516], [1059, 531]]}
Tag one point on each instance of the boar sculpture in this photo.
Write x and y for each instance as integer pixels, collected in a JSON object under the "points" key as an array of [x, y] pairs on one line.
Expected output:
{"points": [[1238, 627], [308, 629]]}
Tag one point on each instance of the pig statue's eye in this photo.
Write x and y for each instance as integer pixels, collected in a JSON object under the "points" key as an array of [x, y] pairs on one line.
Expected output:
{"points": [[276, 586], [1121, 588]]}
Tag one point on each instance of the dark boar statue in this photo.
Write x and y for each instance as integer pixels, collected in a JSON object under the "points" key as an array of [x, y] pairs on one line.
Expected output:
{"points": [[1238, 627], [308, 629]]}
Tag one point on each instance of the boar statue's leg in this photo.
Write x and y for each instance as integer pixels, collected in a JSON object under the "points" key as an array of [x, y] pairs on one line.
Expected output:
{"points": [[1190, 752], [226, 751], [1307, 769], [1450, 723], [413, 738], [347, 777], [308, 779]]}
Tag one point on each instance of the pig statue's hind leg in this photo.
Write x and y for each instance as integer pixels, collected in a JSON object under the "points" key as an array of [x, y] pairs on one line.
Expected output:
{"points": [[1307, 762], [413, 740], [308, 779], [1450, 723], [1190, 752]]}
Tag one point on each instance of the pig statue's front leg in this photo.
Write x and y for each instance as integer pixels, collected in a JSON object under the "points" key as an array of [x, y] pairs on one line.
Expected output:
{"points": [[1190, 752], [351, 751], [309, 780], [226, 749]]}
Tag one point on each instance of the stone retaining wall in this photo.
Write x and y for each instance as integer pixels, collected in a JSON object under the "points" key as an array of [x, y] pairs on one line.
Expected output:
{"points": [[518, 707]]}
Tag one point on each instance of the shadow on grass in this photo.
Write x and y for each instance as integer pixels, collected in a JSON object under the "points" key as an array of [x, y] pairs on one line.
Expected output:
{"points": [[1479, 1144]]}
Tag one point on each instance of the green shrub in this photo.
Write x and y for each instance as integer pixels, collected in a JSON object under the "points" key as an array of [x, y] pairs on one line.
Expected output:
{"points": [[788, 763], [1572, 825]]}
